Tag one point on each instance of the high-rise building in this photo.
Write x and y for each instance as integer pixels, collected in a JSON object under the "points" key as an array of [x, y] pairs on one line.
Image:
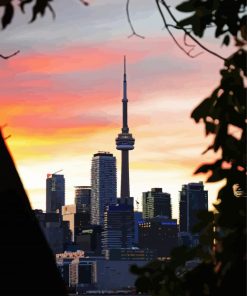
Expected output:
{"points": [[193, 198], [77, 220], [89, 240], [83, 198], [156, 203], [104, 185], [118, 227], [55, 193]]}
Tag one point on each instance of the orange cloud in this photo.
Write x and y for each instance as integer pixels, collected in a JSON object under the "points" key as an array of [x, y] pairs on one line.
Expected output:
{"points": [[69, 59]]}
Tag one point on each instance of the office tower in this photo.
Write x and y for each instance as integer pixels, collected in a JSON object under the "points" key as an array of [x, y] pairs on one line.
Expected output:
{"points": [[156, 203], [159, 234], [118, 227], [82, 198], [193, 198], [89, 239], [55, 193], [77, 220], [125, 142], [104, 185]]}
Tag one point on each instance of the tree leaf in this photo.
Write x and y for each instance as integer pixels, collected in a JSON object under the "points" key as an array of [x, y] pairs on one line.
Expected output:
{"points": [[8, 15], [201, 111], [226, 40], [23, 3], [218, 174], [187, 6]]}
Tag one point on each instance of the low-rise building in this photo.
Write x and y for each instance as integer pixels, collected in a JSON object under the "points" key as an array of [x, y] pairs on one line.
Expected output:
{"points": [[131, 254], [160, 234]]}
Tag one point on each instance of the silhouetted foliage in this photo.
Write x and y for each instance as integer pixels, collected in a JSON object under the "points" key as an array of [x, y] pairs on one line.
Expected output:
{"points": [[39, 7], [221, 253]]}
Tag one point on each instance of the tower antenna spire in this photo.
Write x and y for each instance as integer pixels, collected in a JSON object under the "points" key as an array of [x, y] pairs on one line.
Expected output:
{"points": [[124, 65]]}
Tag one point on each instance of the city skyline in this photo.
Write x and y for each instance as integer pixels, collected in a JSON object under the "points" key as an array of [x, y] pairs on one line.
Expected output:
{"points": [[56, 110]]}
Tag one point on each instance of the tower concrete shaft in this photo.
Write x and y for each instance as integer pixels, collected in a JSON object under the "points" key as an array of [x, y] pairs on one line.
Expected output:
{"points": [[125, 142], [125, 187]]}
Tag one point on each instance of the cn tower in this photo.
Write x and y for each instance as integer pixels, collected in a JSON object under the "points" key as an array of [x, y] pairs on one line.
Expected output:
{"points": [[125, 142]]}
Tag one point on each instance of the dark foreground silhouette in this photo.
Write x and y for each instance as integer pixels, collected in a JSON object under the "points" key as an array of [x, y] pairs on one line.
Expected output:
{"points": [[27, 265]]}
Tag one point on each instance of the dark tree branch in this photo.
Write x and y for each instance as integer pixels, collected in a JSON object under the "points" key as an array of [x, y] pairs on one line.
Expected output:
{"points": [[167, 26], [186, 43], [130, 23], [9, 56], [192, 46], [185, 30], [51, 10]]}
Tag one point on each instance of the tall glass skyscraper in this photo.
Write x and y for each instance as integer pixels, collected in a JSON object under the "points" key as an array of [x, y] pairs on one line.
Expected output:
{"points": [[83, 198], [156, 203], [55, 193], [118, 227], [104, 185], [193, 198]]}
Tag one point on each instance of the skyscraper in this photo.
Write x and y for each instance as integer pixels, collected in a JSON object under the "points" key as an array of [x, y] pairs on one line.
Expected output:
{"points": [[118, 227], [156, 203], [82, 198], [104, 185], [55, 193], [125, 142], [77, 220], [193, 198]]}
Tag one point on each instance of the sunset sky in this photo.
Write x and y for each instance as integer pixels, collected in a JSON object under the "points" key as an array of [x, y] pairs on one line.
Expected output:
{"points": [[61, 97]]}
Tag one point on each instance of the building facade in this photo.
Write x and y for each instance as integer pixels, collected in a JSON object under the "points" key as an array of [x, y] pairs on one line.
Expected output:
{"points": [[104, 185], [89, 239], [130, 254], [193, 198], [159, 234], [83, 198], [156, 203], [118, 227], [77, 221], [55, 193], [56, 231], [137, 217], [98, 274]]}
